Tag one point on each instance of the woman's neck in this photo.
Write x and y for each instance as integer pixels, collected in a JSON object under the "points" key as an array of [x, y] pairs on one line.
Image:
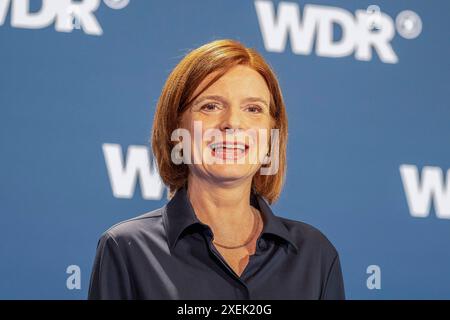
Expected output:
{"points": [[226, 209]]}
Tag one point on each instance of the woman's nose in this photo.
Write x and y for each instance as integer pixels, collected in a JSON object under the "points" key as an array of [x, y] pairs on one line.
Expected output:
{"points": [[231, 119]]}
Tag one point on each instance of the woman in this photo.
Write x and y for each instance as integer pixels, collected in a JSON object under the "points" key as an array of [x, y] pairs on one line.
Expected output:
{"points": [[217, 237]]}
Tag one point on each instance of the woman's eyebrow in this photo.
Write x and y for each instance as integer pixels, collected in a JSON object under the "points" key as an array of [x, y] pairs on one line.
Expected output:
{"points": [[256, 99], [224, 100], [212, 97]]}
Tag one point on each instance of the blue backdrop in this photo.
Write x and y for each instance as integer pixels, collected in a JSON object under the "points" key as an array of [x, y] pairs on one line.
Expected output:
{"points": [[366, 85]]}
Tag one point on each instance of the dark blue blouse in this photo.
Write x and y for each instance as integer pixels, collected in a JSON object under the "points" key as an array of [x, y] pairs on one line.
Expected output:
{"points": [[168, 254]]}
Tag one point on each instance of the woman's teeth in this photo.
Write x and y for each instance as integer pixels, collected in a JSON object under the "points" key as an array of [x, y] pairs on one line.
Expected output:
{"points": [[228, 150], [227, 146]]}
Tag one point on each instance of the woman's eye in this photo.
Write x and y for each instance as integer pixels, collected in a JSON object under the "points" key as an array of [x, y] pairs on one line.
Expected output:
{"points": [[254, 109], [210, 107]]}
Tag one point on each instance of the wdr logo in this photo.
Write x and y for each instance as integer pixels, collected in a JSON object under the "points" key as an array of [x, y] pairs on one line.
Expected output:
{"points": [[368, 30], [66, 14]]}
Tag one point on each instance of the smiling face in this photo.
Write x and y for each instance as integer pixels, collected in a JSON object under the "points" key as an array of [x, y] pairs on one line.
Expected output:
{"points": [[232, 112]]}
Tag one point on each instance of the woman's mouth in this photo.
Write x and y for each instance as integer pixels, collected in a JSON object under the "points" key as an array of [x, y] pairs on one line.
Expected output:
{"points": [[228, 150]]}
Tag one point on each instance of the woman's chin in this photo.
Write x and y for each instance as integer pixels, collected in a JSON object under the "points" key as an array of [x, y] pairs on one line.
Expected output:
{"points": [[231, 172]]}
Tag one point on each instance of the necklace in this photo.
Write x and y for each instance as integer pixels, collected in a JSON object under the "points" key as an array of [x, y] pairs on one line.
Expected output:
{"points": [[250, 238]]}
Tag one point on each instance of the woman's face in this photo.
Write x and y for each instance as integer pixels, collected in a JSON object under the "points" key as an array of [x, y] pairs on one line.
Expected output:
{"points": [[230, 116]]}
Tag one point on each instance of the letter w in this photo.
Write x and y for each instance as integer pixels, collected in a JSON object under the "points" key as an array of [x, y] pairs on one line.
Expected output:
{"points": [[123, 177], [275, 29], [420, 193]]}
